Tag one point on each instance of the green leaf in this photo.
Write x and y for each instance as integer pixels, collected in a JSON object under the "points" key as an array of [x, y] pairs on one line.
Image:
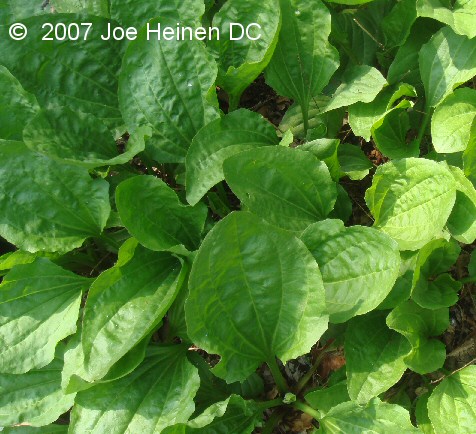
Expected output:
{"points": [[418, 325], [421, 415], [49, 429], [454, 400], [234, 415], [35, 397], [360, 84], [17, 107], [446, 61], [85, 71], [154, 215], [390, 135], [432, 287], [137, 13], [222, 138], [350, 2], [39, 306], [93, 7], [398, 23], [459, 17], [325, 399], [168, 86], [374, 356], [11, 12], [125, 303], [157, 394], [472, 265], [375, 417], [363, 116], [289, 189], [469, 156], [241, 61], [411, 200], [353, 161], [304, 60], [65, 135], [461, 223], [359, 266], [248, 313], [325, 150], [451, 122], [46, 205]]}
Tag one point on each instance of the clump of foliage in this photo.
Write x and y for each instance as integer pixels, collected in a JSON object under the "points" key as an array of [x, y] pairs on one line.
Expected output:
{"points": [[168, 255]]}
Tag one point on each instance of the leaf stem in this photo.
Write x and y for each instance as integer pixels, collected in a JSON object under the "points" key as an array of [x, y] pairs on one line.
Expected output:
{"points": [[272, 422], [265, 405], [305, 379], [306, 409], [468, 280], [424, 125], [278, 377]]}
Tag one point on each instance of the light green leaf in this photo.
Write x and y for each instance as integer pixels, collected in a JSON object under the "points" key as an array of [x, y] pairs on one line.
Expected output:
{"points": [[137, 12], [85, 71], [446, 61], [451, 122], [39, 306], [432, 287], [363, 116], [49, 429], [17, 107], [375, 417], [66, 135], [325, 399], [168, 86], [35, 397], [248, 313], [93, 7], [154, 215], [236, 132], [304, 60], [46, 205], [241, 61], [234, 415], [469, 156], [353, 161], [360, 84], [462, 224], [454, 399], [325, 150], [13, 11], [374, 356], [411, 200], [359, 266], [125, 303], [418, 325], [289, 189], [459, 17], [157, 394]]}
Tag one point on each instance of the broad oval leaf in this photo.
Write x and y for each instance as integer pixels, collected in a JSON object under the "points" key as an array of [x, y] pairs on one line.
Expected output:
{"points": [[304, 60], [288, 188], [39, 306], [411, 200], [17, 107], [359, 266], [376, 416], [46, 205], [454, 399], [82, 74], [157, 394], [255, 292], [241, 61], [374, 356], [168, 86], [451, 122], [446, 61], [34, 398], [154, 215], [236, 132], [125, 303]]}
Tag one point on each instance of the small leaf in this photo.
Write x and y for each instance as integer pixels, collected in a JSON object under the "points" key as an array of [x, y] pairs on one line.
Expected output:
{"points": [[325, 399], [157, 394], [418, 325], [359, 266], [222, 138], [154, 215], [287, 188], [39, 306], [374, 356], [454, 399], [248, 313], [353, 161], [411, 200]]}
